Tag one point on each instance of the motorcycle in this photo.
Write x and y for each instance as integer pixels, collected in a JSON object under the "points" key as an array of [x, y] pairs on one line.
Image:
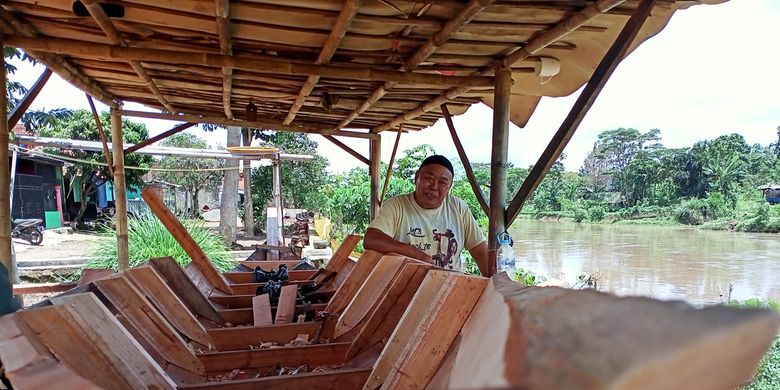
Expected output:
{"points": [[28, 229]]}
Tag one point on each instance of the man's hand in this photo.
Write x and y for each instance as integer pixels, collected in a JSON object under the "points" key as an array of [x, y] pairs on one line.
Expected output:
{"points": [[377, 240]]}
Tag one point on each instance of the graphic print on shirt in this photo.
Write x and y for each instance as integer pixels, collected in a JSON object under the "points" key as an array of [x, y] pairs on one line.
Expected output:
{"points": [[444, 260]]}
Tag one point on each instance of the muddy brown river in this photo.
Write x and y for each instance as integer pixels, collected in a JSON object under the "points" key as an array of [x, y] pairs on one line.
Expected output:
{"points": [[658, 261]]}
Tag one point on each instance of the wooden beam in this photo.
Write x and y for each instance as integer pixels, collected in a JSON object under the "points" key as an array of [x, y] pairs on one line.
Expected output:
{"points": [[464, 16], [176, 129], [250, 337], [102, 135], [222, 13], [348, 12], [42, 288], [375, 159], [390, 165], [498, 165], [269, 359], [120, 192], [261, 64], [347, 290], [242, 123], [32, 93], [586, 99], [539, 42], [520, 337], [104, 22], [10, 25], [347, 149], [246, 276], [184, 288], [177, 230], [285, 310], [261, 310], [346, 378], [464, 160], [6, 250]]}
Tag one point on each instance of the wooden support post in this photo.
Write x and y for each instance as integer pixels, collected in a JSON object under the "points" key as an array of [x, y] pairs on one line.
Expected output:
{"points": [[277, 196], [102, 135], [375, 157], [580, 108], [249, 213], [32, 93], [390, 165], [158, 137], [347, 149], [120, 192], [498, 164], [464, 160], [6, 258]]}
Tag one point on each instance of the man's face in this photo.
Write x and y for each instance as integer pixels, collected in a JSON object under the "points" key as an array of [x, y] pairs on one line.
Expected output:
{"points": [[432, 183]]}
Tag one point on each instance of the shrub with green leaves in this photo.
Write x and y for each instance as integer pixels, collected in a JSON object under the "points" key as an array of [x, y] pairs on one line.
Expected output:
{"points": [[768, 373], [148, 238]]}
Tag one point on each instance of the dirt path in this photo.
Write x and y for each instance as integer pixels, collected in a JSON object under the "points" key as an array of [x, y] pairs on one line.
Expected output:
{"points": [[56, 246]]}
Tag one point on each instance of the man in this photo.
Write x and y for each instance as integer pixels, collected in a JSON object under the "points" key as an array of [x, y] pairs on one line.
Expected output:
{"points": [[429, 224]]}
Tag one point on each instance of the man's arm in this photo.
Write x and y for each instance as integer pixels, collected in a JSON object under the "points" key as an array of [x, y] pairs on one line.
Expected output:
{"points": [[480, 255], [377, 240]]}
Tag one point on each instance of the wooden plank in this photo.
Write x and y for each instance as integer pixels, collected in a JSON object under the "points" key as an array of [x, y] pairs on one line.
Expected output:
{"points": [[267, 359], [261, 310], [184, 239], [244, 315], [251, 288], [41, 288], [148, 322], [44, 374], [246, 277], [184, 288], [432, 339], [340, 260], [285, 311], [70, 344], [350, 378], [369, 294], [354, 280], [228, 339], [153, 287], [113, 341], [380, 324], [546, 337], [423, 300], [91, 274]]}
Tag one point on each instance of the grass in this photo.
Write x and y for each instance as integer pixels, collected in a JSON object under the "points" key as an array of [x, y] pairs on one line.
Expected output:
{"points": [[148, 238], [768, 373]]}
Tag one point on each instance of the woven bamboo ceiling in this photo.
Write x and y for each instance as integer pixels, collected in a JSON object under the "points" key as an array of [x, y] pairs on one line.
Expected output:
{"points": [[321, 65]]}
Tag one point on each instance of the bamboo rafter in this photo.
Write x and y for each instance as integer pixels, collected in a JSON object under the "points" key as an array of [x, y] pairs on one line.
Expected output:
{"points": [[96, 10], [24, 104], [222, 11], [543, 40], [65, 69], [434, 42], [111, 52], [343, 21]]}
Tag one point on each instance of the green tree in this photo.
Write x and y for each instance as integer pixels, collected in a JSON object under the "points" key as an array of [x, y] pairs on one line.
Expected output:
{"points": [[407, 165], [302, 181], [88, 173], [617, 148], [201, 174], [14, 89]]}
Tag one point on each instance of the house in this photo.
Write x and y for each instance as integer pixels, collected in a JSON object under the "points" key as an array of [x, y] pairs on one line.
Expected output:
{"points": [[771, 193]]}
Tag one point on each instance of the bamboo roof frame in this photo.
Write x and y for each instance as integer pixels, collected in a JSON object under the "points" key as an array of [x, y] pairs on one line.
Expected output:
{"points": [[321, 65]]}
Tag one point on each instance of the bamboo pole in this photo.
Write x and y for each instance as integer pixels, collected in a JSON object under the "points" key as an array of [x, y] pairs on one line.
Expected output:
{"points": [[32, 93], [262, 64], [347, 149], [536, 44], [375, 157], [222, 13], [242, 123], [464, 159], [6, 258], [498, 165], [348, 12], [586, 99], [464, 16], [66, 70], [102, 135], [176, 129], [99, 15], [120, 192], [249, 217], [390, 165]]}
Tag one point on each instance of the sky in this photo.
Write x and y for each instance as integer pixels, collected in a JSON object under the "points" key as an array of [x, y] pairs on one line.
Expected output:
{"points": [[714, 70]]}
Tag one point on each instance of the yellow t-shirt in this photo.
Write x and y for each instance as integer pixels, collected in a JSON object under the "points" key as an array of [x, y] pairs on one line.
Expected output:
{"points": [[442, 233]]}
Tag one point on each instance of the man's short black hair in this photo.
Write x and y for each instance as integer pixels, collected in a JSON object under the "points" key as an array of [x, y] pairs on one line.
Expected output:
{"points": [[438, 159]]}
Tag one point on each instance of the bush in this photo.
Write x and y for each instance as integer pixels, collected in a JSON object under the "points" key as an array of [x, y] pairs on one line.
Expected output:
{"points": [[528, 277], [148, 238], [768, 373]]}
